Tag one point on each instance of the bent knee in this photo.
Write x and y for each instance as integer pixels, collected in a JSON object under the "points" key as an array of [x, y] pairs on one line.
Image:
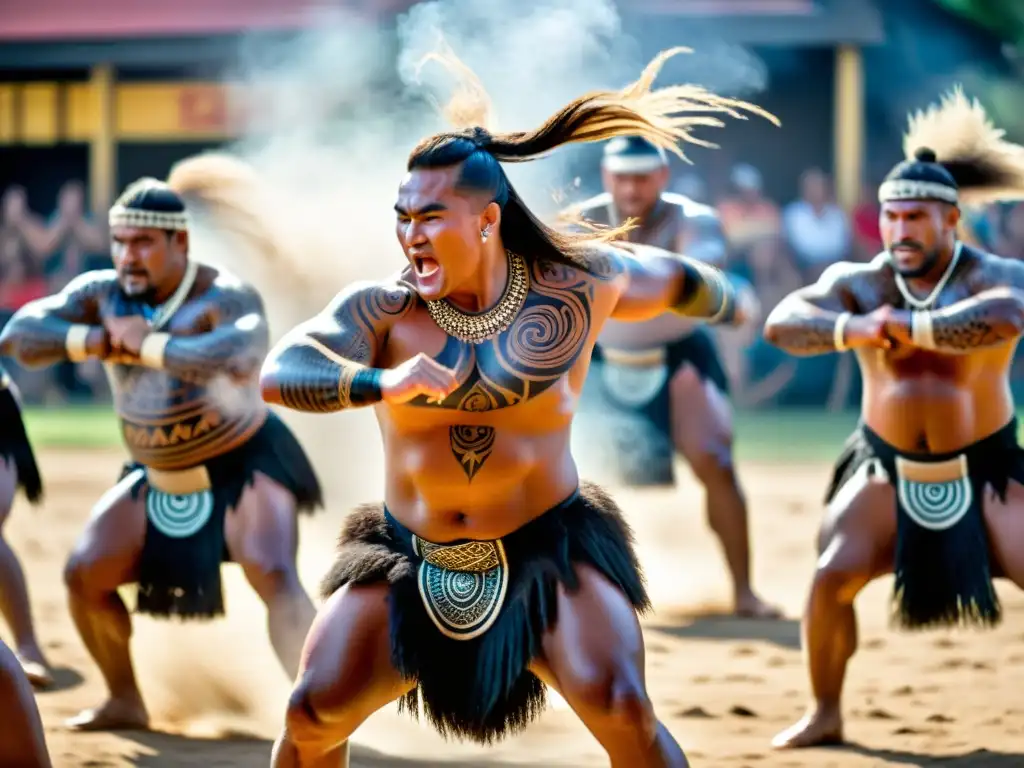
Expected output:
{"points": [[711, 462], [318, 716], [82, 577], [840, 576], [618, 700], [270, 578]]}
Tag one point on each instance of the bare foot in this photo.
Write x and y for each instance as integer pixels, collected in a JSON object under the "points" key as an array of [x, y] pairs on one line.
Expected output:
{"points": [[114, 715], [750, 606], [36, 671], [822, 726]]}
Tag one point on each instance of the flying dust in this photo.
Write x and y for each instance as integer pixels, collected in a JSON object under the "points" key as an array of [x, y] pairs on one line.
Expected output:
{"points": [[331, 117]]}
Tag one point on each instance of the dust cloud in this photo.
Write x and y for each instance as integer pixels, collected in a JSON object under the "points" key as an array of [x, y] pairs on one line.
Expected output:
{"points": [[330, 118]]}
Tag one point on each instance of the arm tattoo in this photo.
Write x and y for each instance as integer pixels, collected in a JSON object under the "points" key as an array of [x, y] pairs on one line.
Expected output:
{"points": [[978, 322], [802, 330], [36, 336], [706, 293], [237, 345], [325, 366]]}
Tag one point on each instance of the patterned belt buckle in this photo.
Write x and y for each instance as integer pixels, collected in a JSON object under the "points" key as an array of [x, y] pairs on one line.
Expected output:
{"points": [[462, 586], [935, 495], [179, 504]]}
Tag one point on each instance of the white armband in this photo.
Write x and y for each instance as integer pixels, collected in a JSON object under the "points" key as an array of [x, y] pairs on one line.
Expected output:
{"points": [[922, 330], [839, 332], [74, 342], [151, 353]]}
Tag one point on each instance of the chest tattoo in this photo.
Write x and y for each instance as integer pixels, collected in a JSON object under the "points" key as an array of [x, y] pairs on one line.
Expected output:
{"points": [[532, 355]]}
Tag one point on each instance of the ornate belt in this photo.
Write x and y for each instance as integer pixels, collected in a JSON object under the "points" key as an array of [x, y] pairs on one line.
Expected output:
{"points": [[463, 586], [935, 495], [641, 358], [180, 503]]}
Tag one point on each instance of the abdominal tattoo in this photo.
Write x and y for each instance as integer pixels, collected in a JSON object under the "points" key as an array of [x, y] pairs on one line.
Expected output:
{"points": [[542, 345]]}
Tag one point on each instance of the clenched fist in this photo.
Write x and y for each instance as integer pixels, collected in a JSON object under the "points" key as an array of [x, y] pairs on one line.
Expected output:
{"points": [[422, 375]]}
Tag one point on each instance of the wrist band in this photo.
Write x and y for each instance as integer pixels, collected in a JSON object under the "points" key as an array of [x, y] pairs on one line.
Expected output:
{"points": [[922, 331], [726, 311], [74, 342], [151, 353], [839, 332], [365, 387]]}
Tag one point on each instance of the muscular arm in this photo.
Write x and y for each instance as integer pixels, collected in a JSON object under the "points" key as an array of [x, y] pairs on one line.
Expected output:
{"points": [[325, 364], [987, 319], [236, 345], [803, 323], [655, 281], [38, 334]]}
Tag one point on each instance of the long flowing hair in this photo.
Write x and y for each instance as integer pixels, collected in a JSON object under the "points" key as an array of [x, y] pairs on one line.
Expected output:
{"points": [[665, 116]]}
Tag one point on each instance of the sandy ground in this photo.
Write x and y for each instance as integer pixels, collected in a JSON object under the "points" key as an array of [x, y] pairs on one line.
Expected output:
{"points": [[723, 686]]}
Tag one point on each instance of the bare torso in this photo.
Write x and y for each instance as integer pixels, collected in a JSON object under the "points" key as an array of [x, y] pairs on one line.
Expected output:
{"points": [[678, 225], [172, 421], [494, 454], [921, 401]]}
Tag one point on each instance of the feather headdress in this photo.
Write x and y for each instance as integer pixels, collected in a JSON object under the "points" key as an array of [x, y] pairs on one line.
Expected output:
{"points": [[955, 154]]}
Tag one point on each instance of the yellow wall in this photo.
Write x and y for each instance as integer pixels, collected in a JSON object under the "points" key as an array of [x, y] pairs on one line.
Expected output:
{"points": [[30, 113]]}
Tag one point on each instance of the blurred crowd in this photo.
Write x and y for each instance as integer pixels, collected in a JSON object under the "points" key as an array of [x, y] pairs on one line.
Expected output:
{"points": [[776, 245], [39, 255]]}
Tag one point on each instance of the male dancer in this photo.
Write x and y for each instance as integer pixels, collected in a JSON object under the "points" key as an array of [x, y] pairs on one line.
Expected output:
{"points": [[489, 567], [660, 383], [22, 744], [18, 469], [929, 486], [214, 475]]}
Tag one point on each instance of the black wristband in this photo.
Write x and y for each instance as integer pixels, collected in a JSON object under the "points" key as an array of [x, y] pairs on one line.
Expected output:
{"points": [[365, 389]]}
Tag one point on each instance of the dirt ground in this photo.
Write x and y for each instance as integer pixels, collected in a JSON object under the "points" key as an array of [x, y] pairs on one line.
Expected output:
{"points": [[723, 686]]}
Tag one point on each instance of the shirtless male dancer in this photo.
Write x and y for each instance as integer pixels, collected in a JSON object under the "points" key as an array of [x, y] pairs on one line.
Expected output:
{"points": [[214, 476], [929, 487], [18, 469], [489, 567], [22, 743], [661, 385]]}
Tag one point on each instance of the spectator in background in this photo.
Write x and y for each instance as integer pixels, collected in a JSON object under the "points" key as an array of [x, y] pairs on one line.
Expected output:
{"points": [[76, 244], [24, 241], [692, 186], [867, 233], [75, 239], [1010, 241], [747, 215], [816, 228]]}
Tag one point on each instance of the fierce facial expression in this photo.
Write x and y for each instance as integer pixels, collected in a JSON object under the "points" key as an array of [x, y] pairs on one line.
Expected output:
{"points": [[917, 232], [440, 230], [148, 261], [635, 194]]}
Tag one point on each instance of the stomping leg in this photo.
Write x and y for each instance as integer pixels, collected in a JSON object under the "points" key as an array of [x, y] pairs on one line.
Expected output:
{"points": [[107, 556], [346, 676], [262, 536], [858, 537], [702, 432], [14, 603], [594, 657], [21, 731]]}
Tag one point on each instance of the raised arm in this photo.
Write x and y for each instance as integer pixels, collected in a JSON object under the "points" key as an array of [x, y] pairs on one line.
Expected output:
{"points": [[64, 326], [326, 364], [654, 281], [236, 344], [811, 320]]}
